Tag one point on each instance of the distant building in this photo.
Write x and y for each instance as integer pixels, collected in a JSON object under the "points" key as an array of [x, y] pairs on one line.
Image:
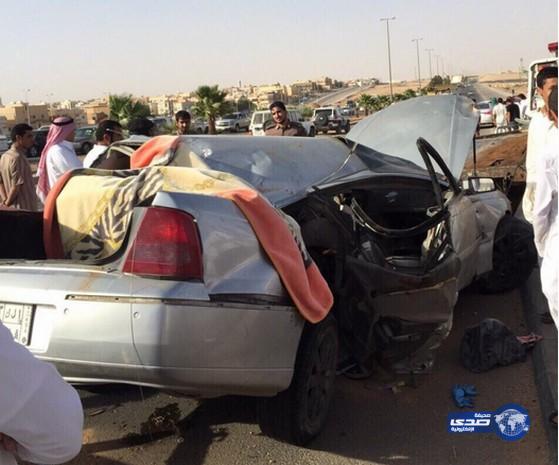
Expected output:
{"points": [[3, 126], [96, 111], [302, 89], [21, 112]]}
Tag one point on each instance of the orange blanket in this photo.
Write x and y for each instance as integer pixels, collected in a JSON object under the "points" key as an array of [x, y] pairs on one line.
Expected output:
{"points": [[299, 274]]}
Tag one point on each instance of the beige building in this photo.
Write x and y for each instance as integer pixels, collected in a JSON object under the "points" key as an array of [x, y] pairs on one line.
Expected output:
{"points": [[168, 105], [20, 112], [3, 126], [301, 89], [264, 95], [96, 111]]}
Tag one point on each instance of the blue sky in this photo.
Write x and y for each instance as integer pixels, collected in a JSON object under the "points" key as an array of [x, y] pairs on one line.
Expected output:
{"points": [[83, 49]]}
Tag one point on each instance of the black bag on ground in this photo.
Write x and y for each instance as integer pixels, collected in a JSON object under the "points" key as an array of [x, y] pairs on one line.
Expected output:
{"points": [[490, 344]]}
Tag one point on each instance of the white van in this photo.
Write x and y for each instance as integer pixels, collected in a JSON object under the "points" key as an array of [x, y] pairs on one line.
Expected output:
{"points": [[259, 118]]}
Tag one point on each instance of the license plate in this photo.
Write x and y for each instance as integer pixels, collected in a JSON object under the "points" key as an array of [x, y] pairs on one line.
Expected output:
{"points": [[17, 318]]}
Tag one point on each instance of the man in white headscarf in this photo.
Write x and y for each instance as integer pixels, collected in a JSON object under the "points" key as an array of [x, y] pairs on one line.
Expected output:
{"points": [[58, 156]]}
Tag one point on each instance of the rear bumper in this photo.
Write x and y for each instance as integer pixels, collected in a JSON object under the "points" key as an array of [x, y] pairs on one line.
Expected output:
{"points": [[200, 349]]}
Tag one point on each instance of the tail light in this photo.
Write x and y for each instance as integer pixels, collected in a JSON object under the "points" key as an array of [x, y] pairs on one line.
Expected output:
{"points": [[167, 245]]}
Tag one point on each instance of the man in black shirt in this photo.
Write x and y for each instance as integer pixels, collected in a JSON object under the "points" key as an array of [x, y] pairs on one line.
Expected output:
{"points": [[513, 112]]}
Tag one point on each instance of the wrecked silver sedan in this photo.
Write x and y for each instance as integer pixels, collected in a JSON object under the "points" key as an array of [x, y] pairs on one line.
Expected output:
{"points": [[174, 287]]}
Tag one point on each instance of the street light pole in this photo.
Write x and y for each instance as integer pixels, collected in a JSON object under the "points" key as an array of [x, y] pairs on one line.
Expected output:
{"points": [[437, 60], [27, 106], [429, 50], [389, 62], [416, 40]]}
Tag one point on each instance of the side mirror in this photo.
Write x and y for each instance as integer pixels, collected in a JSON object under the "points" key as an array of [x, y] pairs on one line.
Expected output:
{"points": [[479, 185]]}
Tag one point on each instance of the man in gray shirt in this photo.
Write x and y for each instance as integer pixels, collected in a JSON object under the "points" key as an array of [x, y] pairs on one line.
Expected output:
{"points": [[17, 189]]}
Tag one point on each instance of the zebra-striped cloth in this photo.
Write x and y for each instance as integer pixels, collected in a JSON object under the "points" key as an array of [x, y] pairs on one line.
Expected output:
{"points": [[94, 208]]}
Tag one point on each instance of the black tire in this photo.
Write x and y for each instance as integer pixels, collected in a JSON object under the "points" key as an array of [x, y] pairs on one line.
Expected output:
{"points": [[86, 147], [347, 127], [514, 256], [199, 131], [312, 131], [299, 413], [237, 129]]}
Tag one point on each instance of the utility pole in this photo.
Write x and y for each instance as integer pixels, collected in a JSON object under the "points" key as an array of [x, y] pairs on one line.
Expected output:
{"points": [[27, 106], [429, 50], [389, 62], [416, 40], [437, 60]]}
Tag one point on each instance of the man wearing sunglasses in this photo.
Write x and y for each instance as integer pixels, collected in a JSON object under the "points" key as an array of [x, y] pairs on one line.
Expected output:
{"points": [[107, 132]]}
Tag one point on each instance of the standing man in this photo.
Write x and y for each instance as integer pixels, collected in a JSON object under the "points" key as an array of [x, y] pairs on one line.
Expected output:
{"points": [[182, 122], [540, 125], [546, 233], [500, 116], [16, 183], [282, 126], [58, 156], [513, 112], [107, 132]]}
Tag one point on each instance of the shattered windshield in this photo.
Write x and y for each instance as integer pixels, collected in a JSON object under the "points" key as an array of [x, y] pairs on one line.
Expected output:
{"points": [[282, 169]]}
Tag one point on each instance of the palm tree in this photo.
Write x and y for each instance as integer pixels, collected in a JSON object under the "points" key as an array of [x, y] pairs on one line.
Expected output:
{"points": [[367, 102], [211, 104], [123, 108]]}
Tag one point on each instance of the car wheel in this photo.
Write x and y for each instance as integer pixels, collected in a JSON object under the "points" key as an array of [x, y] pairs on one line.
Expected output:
{"points": [[237, 129], [312, 132], [86, 147], [298, 414], [206, 130], [199, 130], [347, 127], [514, 256]]}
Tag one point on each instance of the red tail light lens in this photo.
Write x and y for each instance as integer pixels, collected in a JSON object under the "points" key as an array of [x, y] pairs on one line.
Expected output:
{"points": [[167, 245]]}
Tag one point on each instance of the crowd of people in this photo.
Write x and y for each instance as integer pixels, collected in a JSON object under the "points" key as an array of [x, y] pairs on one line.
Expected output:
{"points": [[506, 112]]}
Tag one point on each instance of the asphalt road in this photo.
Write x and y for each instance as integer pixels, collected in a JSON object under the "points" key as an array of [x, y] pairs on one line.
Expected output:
{"points": [[333, 97], [371, 422]]}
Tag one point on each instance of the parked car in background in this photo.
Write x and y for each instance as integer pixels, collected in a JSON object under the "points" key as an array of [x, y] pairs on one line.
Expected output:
{"points": [[485, 112], [162, 124], [330, 118], [233, 122], [85, 139], [348, 111], [261, 118], [4, 143], [40, 137], [199, 126]]}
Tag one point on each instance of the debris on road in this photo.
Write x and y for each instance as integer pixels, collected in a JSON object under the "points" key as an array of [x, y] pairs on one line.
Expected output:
{"points": [[490, 344]]}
